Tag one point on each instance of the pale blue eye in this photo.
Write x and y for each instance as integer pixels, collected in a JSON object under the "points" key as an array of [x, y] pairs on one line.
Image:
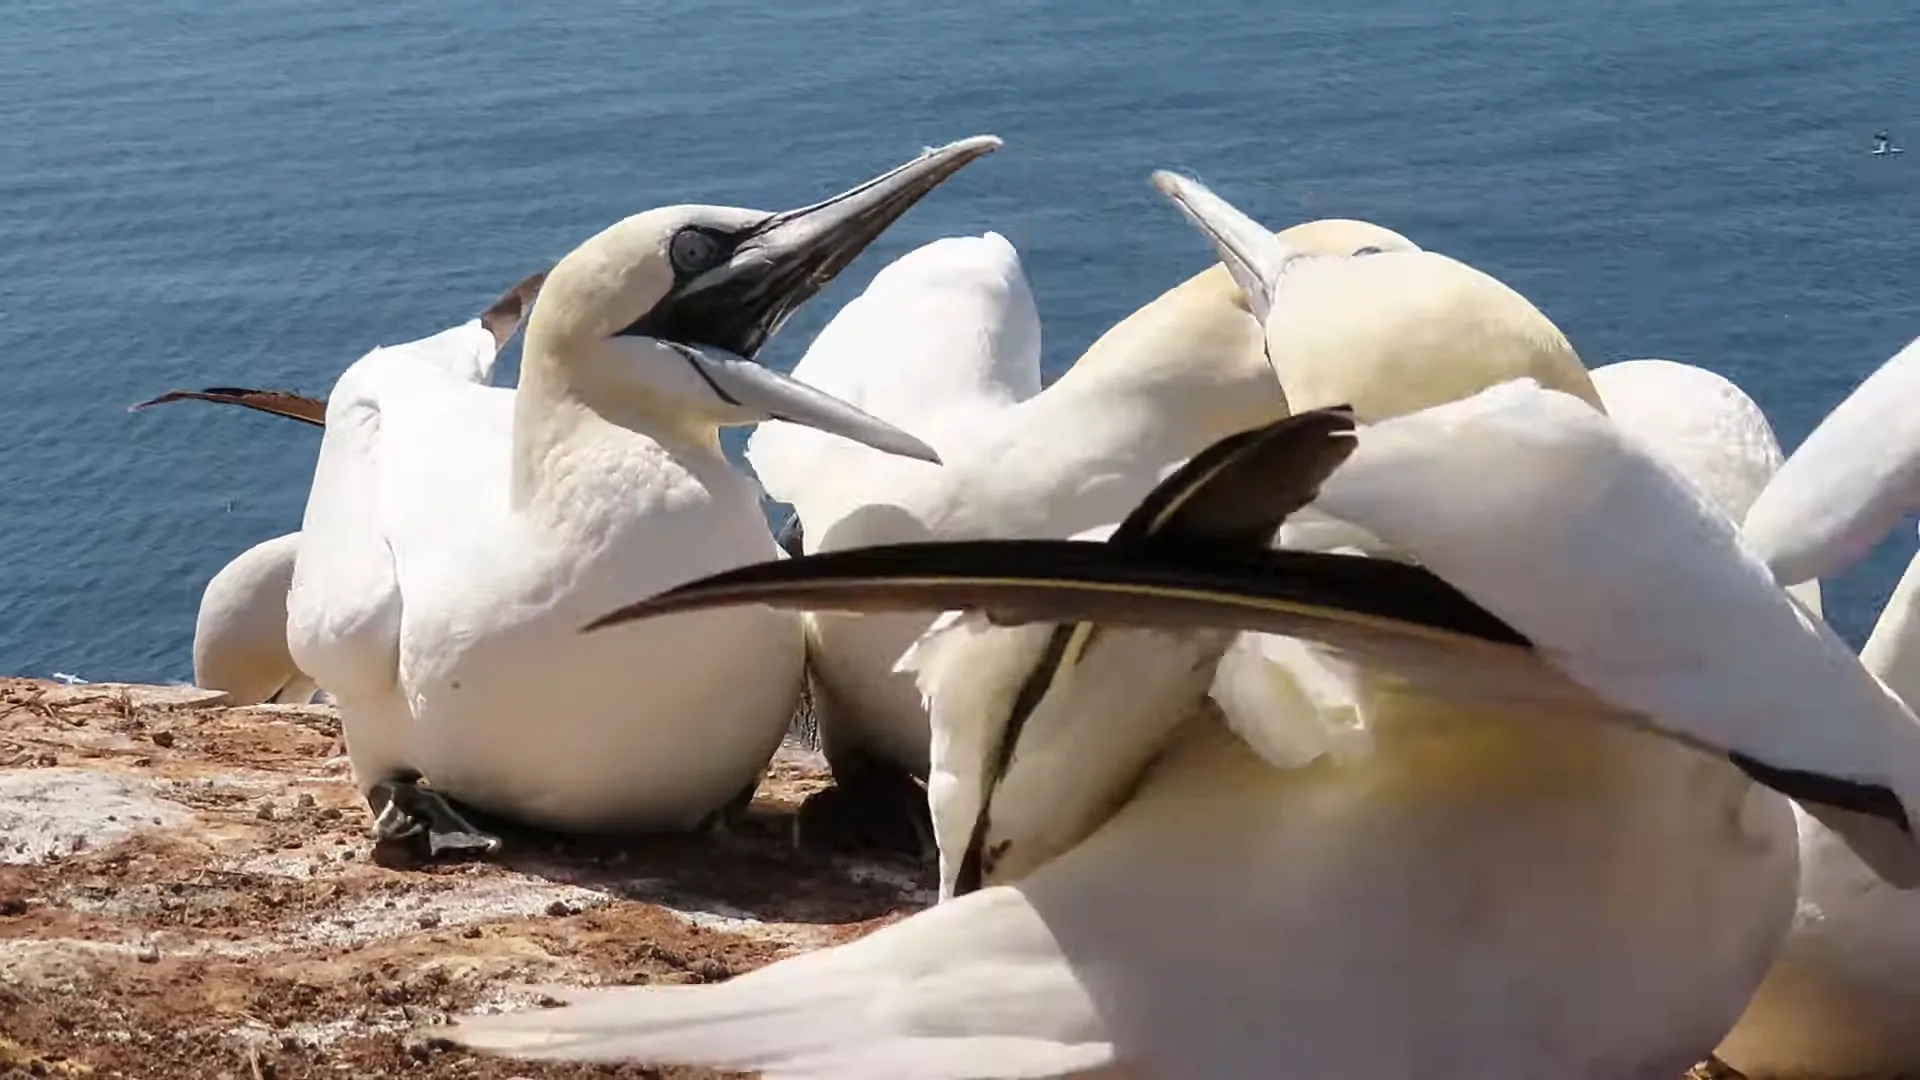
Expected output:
{"points": [[692, 251]]}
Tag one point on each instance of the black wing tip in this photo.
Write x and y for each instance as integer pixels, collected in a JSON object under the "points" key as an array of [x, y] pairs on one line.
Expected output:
{"points": [[169, 396], [629, 613], [1876, 801], [1241, 488]]}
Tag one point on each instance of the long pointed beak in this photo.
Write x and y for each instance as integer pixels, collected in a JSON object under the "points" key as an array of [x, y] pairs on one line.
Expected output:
{"points": [[278, 402], [1302, 594], [761, 393], [785, 259], [1252, 254]]}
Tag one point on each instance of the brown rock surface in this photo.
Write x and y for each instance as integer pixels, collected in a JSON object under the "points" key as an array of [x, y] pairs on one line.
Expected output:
{"points": [[185, 893]]}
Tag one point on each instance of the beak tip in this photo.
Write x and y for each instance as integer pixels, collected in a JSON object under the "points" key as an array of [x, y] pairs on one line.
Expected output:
{"points": [[907, 446], [977, 144]]}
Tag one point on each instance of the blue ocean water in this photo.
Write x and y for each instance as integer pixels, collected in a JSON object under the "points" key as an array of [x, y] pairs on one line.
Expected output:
{"points": [[195, 193]]}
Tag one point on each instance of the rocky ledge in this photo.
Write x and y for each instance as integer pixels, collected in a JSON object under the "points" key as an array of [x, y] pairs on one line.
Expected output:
{"points": [[185, 893]]}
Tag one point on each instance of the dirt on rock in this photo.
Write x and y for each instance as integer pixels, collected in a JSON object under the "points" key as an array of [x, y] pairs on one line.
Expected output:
{"points": [[186, 894]]}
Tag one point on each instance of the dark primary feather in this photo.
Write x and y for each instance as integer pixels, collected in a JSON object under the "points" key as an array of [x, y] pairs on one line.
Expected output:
{"points": [[278, 402], [1239, 491], [1073, 581], [1231, 496]]}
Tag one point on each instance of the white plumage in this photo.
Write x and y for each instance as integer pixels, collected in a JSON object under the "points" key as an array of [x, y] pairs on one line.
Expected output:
{"points": [[240, 633], [1562, 885]]}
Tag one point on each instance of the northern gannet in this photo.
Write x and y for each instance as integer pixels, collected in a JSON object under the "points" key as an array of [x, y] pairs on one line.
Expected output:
{"points": [[240, 633], [1842, 999], [1173, 376], [1157, 897], [457, 535]]}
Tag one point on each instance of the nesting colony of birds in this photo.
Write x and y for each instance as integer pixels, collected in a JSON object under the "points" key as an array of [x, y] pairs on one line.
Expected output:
{"points": [[1328, 676]]}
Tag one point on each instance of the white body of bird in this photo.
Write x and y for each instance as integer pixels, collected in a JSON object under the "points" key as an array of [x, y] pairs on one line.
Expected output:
{"points": [[240, 634], [442, 610]]}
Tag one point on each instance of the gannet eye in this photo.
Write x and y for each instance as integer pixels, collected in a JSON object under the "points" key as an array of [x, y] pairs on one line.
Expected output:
{"points": [[693, 251], [1368, 250]]}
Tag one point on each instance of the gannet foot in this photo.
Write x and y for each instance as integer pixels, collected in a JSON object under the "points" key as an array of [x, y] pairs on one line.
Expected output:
{"points": [[407, 812], [873, 806]]}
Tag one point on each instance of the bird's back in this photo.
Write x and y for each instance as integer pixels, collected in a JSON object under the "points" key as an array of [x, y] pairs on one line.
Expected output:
{"points": [[240, 635]]}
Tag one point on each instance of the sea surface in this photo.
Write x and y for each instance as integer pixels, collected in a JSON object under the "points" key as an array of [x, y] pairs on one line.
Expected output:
{"points": [[196, 193]]}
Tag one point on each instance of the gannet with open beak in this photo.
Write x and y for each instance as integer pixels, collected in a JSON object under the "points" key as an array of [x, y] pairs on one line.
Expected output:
{"points": [[1842, 998], [1142, 889], [240, 633], [456, 535]]}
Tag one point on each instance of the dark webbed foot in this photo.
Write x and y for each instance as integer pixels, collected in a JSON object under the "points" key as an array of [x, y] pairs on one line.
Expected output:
{"points": [[874, 806], [409, 815]]}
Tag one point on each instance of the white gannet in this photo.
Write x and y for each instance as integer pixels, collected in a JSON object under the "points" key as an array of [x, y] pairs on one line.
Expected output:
{"points": [[1703, 425], [1842, 998], [457, 535], [240, 633], [1157, 897], [940, 343]]}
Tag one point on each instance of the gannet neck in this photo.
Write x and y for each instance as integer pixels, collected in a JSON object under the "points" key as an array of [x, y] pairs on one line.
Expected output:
{"points": [[568, 415], [1853, 479], [1893, 650], [1195, 352]]}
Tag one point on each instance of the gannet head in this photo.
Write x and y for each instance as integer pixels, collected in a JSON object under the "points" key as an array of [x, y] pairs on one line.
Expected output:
{"points": [[1198, 355], [662, 313], [1388, 330]]}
